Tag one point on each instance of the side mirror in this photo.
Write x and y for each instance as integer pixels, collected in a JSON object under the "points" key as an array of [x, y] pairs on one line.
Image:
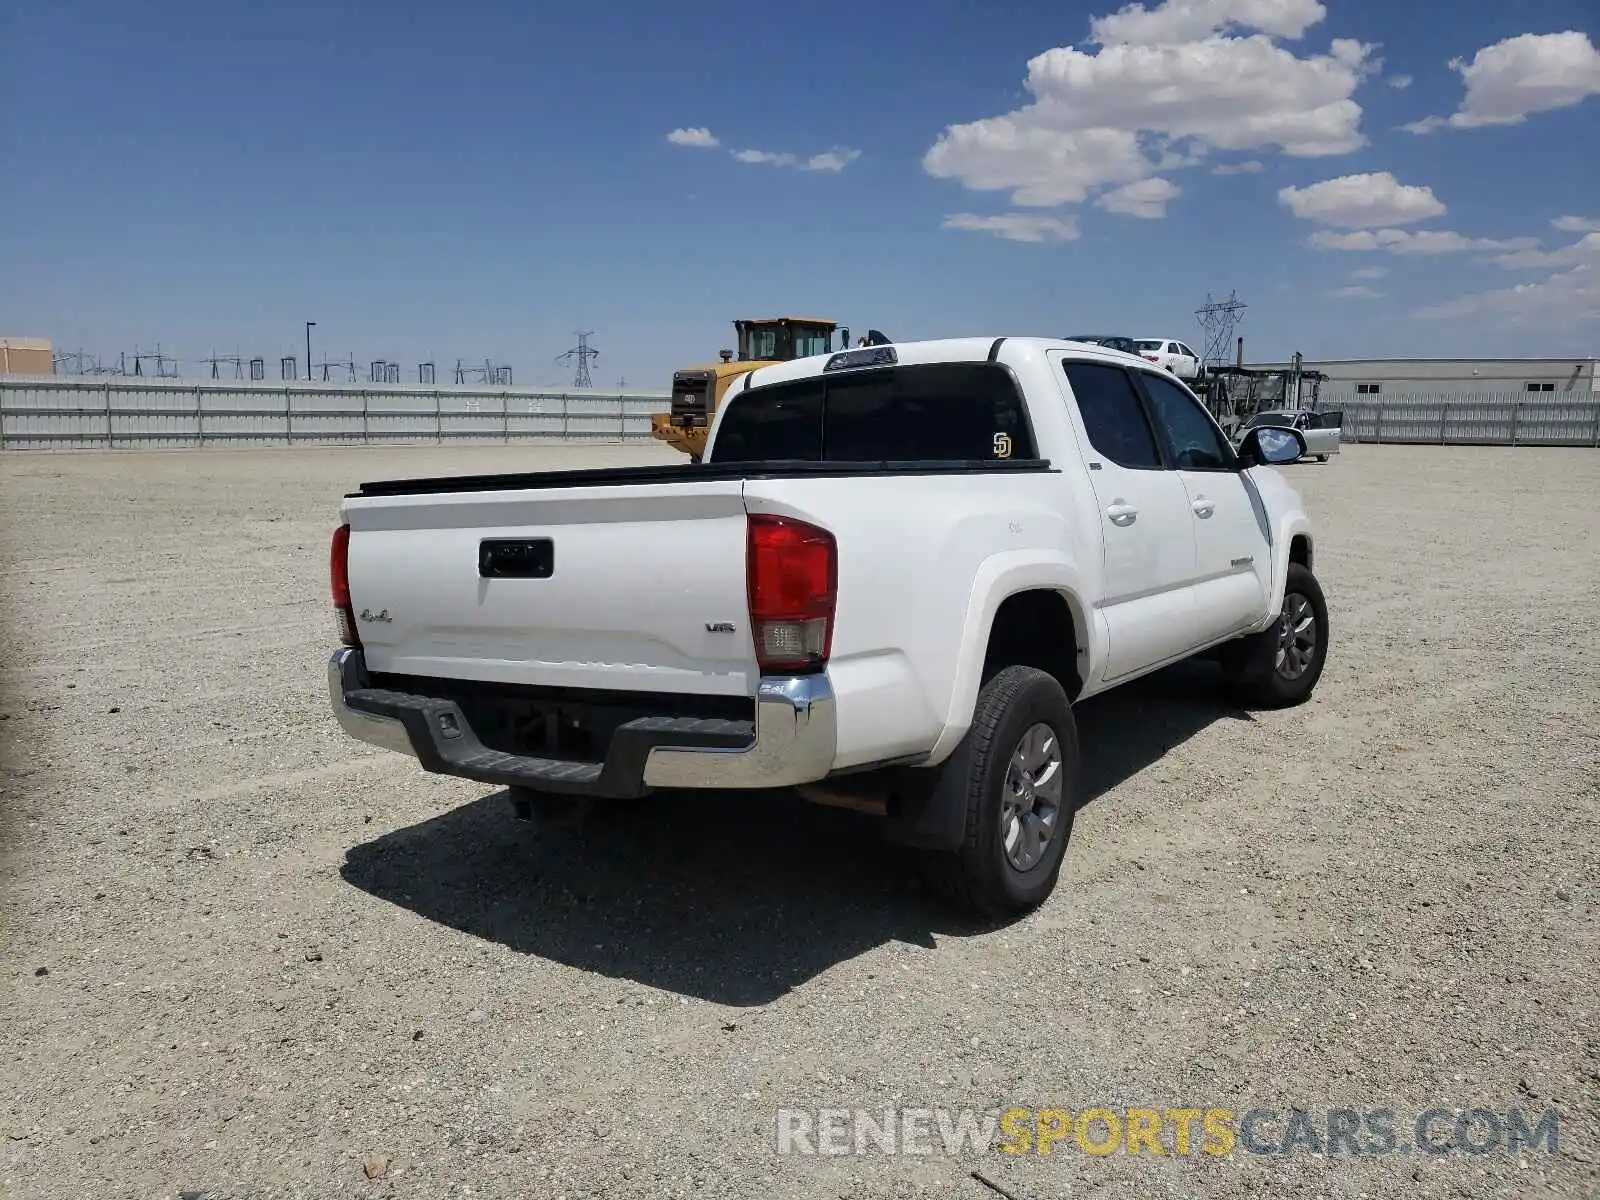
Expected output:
{"points": [[1272, 445]]}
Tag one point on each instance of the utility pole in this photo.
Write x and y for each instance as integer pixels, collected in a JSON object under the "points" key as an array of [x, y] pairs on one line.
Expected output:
{"points": [[309, 324]]}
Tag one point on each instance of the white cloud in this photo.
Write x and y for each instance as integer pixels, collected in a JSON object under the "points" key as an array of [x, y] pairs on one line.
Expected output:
{"points": [[836, 159], [1568, 300], [694, 137], [1191, 20], [765, 156], [1249, 167], [1420, 241], [1577, 224], [1585, 250], [832, 160], [1400, 82], [1042, 168], [1165, 89], [1147, 198], [1366, 201], [1356, 291], [1369, 272], [1018, 227], [1515, 78]]}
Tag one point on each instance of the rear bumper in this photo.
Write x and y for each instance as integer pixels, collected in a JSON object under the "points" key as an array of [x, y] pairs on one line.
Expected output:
{"points": [[792, 740]]}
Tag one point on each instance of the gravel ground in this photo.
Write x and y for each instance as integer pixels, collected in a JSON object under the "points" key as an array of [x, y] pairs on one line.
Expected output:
{"points": [[247, 956]]}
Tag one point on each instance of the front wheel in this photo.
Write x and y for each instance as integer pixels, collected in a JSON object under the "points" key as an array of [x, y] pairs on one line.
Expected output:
{"points": [[1279, 667], [1015, 775]]}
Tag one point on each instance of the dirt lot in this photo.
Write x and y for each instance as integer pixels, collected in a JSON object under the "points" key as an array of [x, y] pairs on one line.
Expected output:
{"points": [[246, 956]]}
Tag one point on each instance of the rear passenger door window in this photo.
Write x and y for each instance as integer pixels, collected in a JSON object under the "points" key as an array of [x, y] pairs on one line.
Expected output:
{"points": [[1197, 444], [1112, 415]]}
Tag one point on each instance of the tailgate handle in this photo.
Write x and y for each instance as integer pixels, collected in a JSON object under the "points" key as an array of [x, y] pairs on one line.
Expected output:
{"points": [[510, 558]]}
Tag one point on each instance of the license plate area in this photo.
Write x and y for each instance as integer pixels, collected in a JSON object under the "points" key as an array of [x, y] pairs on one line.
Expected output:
{"points": [[516, 558]]}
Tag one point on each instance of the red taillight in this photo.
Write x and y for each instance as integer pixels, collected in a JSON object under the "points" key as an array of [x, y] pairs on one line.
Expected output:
{"points": [[792, 576], [339, 573], [1152, 358]]}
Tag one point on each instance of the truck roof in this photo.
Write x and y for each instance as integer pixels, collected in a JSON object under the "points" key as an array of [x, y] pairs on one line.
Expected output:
{"points": [[940, 350]]}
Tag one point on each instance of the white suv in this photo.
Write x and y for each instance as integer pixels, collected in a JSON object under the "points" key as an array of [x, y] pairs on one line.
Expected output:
{"points": [[1173, 356]]}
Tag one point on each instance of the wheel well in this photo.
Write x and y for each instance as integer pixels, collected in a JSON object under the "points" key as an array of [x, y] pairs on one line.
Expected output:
{"points": [[1300, 550], [1035, 629]]}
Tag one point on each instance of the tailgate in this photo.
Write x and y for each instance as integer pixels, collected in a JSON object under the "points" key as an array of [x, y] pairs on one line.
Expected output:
{"points": [[633, 588]]}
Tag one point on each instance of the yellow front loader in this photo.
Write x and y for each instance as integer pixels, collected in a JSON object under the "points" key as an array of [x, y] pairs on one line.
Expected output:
{"points": [[697, 391]]}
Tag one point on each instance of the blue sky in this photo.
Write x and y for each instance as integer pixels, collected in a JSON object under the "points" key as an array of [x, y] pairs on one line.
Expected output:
{"points": [[484, 179]]}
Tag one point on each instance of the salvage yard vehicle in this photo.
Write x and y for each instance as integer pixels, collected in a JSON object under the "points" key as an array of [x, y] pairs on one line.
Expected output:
{"points": [[1111, 341], [1321, 430], [1171, 355], [909, 562]]}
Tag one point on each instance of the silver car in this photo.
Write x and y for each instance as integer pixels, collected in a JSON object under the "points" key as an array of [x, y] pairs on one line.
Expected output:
{"points": [[1321, 430]]}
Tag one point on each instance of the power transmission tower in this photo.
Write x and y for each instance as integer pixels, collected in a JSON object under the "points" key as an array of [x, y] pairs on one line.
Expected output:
{"points": [[347, 365], [583, 352], [217, 361], [165, 368], [1219, 320]]}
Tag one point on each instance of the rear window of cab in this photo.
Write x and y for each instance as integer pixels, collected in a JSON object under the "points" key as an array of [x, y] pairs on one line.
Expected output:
{"points": [[934, 412]]}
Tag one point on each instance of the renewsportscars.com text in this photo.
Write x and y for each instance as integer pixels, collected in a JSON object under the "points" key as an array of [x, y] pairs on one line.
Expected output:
{"points": [[1165, 1131]]}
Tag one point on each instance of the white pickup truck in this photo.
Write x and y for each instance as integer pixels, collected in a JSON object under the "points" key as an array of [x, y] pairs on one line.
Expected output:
{"points": [[893, 574]]}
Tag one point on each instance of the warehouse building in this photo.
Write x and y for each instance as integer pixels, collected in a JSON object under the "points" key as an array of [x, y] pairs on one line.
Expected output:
{"points": [[1400, 377], [26, 356]]}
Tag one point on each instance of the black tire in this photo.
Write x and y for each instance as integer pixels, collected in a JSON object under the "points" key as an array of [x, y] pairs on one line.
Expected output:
{"points": [[979, 878], [1322, 458], [1252, 667]]}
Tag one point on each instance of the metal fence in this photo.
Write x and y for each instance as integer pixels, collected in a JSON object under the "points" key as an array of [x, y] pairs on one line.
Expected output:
{"points": [[116, 411], [1469, 418]]}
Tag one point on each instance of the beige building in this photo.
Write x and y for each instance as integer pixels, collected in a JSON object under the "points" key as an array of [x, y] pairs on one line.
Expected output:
{"points": [[26, 356]]}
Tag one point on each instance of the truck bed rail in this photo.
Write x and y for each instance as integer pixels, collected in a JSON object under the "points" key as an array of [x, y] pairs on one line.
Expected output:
{"points": [[691, 473]]}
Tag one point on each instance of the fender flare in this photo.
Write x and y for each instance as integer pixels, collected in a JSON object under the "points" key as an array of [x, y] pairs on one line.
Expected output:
{"points": [[1291, 526], [998, 577]]}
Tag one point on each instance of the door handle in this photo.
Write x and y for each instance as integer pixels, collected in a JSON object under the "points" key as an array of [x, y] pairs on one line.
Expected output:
{"points": [[1122, 513], [1203, 508]]}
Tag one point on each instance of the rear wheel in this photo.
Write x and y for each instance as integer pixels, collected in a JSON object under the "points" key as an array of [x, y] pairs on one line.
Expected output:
{"points": [[1015, 775], [1279, 667]]}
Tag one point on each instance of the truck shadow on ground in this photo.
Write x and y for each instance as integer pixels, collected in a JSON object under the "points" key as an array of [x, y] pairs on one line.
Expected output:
{"points": [[735, 898]]}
